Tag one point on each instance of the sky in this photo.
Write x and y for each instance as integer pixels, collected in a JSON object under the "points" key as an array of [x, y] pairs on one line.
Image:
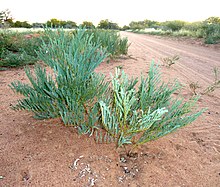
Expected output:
{"points": [[119, 11]]}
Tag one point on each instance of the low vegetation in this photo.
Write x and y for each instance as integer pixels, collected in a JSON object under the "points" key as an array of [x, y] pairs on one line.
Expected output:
{"points": [[208, 29], [18, 49], [21, 48], [169, 61], [193, 87], [124, 112], [216, 84], [110, 40], [209, 89]]}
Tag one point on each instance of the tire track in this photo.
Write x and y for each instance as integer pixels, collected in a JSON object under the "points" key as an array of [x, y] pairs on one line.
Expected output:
{"points": [[195, 62]]}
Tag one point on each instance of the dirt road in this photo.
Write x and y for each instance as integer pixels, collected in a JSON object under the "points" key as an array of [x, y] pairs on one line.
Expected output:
{"points": [[196, 62], [46, 153]]}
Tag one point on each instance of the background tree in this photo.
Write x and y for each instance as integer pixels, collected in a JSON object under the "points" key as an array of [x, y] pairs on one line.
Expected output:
{"points": [[213, 20], [53, 23], [211, 28], [151, 24], [106, 24], [22, 24], [175, 25], [38, 25], [137, 25], [68, 24], [87, 25], [6, 18], [125, 27]]}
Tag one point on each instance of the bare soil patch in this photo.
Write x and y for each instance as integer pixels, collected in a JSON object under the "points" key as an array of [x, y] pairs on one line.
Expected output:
{"points": [[46, 153]]}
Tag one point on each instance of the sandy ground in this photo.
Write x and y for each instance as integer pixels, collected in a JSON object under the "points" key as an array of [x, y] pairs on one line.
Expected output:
{"points": [[46, 153]]}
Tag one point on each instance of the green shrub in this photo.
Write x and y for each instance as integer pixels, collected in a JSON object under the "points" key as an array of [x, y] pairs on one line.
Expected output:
{"points": [[75, 87], [110, 40], [16, 50], [12, 59], [118, 112], [175, 25], [136, 116], [211, 32]]}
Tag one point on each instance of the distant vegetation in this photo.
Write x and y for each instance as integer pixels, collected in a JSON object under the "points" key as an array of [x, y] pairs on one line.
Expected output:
{"points": [[21, 48], [208, 29], [7, 21], [18, 49]]}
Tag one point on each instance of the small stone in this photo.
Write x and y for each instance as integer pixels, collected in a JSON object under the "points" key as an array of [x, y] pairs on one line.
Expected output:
{"points": [[126, 170]]}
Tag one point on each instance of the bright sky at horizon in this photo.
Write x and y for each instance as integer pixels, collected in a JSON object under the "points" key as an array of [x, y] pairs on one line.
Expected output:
{"points": [[119, 11]]}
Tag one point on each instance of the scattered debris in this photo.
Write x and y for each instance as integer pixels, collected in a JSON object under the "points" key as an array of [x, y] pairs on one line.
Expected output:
{"points": [[25, 176], [92, 181], [121, 179], [84, 171], [74, 165]]}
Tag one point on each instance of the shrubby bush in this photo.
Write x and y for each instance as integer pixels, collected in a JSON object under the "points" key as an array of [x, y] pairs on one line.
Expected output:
{"points": [[208, 29], [75, 87], [122, 112], [16, 50], [111, 40], [175, 25], [131, 115], [211, 33], [106, 24]]}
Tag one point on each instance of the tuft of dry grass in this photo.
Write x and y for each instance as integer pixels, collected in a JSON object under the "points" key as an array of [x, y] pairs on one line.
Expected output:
{"points": [[193, 87], [216, 84], [169, 61]]}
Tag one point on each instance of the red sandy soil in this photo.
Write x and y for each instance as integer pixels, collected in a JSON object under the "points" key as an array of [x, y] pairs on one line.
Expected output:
{"points": [[46, 153]]}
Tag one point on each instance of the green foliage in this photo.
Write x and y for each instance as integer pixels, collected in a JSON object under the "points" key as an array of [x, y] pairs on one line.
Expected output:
{"points": [[138, 25], [6, 19], [110, 40], [73, 87], [211, 32], [16, 50], [124, 112], [68, 24], [22, 24], [106, 24], [213, 20], [208, 29], [38, 25], [175, 25], [55, 23], [125, 27], [87, 25], [130, 116]]}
